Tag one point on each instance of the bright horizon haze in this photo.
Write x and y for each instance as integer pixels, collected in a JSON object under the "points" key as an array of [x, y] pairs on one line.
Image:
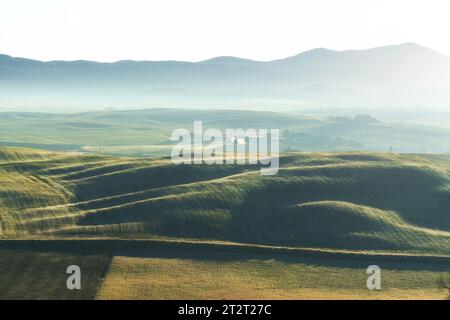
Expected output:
{"points": [[263, 30]]}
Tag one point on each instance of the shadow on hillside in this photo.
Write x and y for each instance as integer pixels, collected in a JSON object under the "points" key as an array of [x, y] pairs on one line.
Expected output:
{"points": [[227, 253], [340, 262]]}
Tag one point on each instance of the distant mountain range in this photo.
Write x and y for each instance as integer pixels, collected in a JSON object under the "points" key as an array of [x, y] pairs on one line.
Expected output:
{"points": [[406, 75]]}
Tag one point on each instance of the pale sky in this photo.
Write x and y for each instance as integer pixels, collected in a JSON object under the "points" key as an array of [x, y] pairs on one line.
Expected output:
{"points": [[192, 30]]}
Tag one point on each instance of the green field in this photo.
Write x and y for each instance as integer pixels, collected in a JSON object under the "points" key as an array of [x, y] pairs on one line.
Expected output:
{"points": [[193, 231], [146, 132]]}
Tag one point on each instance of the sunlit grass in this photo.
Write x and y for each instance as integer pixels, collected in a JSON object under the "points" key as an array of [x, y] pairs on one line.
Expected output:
{"points": [[160, 278]]}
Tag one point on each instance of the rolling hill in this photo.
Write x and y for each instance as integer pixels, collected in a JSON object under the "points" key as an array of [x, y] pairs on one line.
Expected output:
{"points": [[143, 228], [352, 201]]}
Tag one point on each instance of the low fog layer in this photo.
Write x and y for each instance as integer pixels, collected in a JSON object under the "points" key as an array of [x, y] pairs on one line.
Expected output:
{"points": [[401, 76]]}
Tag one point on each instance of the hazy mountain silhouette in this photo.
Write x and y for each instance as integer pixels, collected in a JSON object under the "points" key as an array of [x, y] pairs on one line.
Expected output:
{"points": [[393, 76]]}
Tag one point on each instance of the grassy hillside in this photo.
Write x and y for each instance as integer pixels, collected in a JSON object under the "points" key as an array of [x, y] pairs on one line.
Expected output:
{"points": [[354, 201]]}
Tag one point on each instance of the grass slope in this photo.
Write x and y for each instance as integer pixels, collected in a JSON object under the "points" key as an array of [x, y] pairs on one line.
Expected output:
{"points": [[356, 201]]}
